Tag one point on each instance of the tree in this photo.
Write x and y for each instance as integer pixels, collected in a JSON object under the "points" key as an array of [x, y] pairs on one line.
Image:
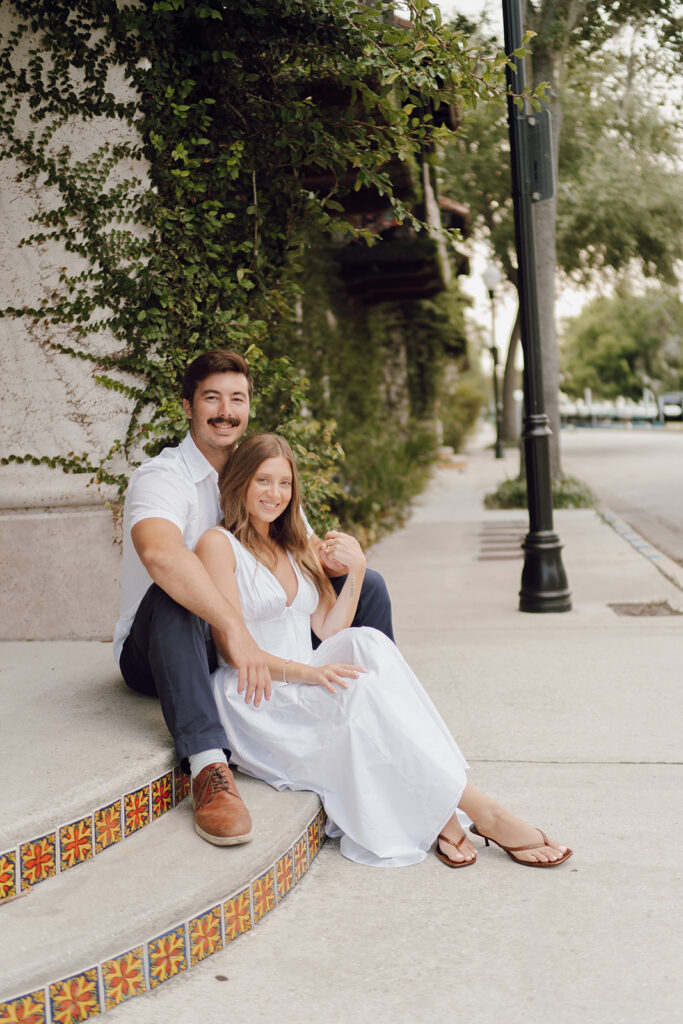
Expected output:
{"points": [[618, 345], [566, 30], [616, 142], [620, 201]]}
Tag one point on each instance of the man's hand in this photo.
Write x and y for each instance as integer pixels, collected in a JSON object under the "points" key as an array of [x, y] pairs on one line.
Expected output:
{"points": [[250, 662], [341, 553]]}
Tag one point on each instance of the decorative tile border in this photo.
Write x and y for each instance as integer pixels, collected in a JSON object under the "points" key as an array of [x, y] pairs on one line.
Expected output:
{"points": [[38, 860], [263, 894], [206, 935], [143, 968], [123, 977], [75, 998], [75, 842], [8, 875], [167, 956], [237, 917]]}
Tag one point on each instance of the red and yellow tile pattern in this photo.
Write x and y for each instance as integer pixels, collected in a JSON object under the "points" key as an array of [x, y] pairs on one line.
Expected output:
{"points": [[28, 1009], [72, 844], [75, 999], [162, 795], [124, 977], [263, 894], [316, 834], [166, 956], [75, 843], [284, 875], [181, 784], [38, 860], [237, 912], [107, 826], [300, 857], [8, 875], [136, 810], [205, 935], [82, 996]]}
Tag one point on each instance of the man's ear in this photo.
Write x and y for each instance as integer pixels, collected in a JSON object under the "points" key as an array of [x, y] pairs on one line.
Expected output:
{"points": [[188, 408]]}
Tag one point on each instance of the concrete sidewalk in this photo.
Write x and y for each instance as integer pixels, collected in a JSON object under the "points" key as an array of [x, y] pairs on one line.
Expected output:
{"points": [[572, 719]]}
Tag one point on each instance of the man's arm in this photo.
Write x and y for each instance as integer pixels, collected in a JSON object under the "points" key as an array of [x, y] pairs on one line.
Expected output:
{"points": [[178, 571]]}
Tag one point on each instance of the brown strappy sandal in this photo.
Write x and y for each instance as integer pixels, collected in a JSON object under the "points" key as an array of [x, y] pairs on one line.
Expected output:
{"points": [[511, 850], [447, 860]]}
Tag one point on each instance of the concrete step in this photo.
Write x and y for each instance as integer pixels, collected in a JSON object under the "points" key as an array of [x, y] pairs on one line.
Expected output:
{"points": [[85, 761], [150, 907], [107, 890]]}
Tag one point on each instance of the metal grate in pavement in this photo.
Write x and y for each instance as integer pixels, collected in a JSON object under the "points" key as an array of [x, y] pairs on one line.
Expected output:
{"points": [[636, 608]]}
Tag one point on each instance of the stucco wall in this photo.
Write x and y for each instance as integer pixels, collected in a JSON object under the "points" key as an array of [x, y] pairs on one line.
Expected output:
{"points": [[60, 567]]}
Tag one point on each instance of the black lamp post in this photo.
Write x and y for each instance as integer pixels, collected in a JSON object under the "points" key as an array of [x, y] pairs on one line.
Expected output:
{"points": [[492, 277], [544, 581]]}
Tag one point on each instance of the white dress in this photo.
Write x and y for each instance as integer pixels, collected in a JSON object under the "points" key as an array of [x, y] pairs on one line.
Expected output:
{"points": [[385, 766]]}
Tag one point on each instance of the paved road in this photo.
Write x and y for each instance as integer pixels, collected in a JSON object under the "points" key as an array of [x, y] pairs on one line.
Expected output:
{"points": [[638, 473]]}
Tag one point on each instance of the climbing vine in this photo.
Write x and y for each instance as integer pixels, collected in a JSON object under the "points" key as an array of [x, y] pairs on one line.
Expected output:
{"points": [[238, 125]]}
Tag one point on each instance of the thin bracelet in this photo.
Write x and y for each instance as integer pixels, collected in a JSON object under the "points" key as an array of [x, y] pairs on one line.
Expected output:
{"points": [[284, 670]]}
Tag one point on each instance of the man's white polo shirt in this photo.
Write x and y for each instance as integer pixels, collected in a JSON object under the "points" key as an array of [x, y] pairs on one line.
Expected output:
{"points": [[180, 485]]}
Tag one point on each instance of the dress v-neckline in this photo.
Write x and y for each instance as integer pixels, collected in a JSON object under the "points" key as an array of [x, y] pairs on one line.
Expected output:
{"points": [[297, 575], [288, 604]]}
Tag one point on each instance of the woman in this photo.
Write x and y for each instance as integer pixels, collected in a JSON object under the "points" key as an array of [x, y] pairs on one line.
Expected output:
{"points": [[349, 720]]}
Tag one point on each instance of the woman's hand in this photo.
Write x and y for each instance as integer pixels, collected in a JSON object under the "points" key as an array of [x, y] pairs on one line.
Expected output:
{"points": [[341, 553], [326, 675]]}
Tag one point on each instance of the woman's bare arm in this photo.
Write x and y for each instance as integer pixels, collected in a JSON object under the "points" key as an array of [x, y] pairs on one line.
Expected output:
{"points": [[216, 553], [329, 618]]}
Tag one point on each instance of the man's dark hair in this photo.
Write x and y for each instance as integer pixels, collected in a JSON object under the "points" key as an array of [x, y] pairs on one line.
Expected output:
{"points": [[219, 360]]}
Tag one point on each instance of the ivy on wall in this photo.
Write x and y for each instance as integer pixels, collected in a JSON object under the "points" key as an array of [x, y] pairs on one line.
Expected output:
{"points": [[182, 233]]}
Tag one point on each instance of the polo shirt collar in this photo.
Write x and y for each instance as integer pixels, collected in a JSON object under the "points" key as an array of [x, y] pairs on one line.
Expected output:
{"points": [[198, 465]]}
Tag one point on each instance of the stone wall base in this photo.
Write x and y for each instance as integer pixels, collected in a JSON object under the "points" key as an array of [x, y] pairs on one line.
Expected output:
{"points": [[61, 572]]}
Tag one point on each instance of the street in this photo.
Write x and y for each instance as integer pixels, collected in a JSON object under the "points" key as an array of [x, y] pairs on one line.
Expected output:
{"points": [[638, 473]]}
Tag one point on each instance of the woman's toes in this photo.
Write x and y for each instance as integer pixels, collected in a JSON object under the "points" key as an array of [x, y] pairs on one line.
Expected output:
{"points": [[466, 851]]}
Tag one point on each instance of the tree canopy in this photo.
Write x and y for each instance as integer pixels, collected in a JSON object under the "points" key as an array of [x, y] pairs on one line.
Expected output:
{"points": [[618, 207], [617, 346]]}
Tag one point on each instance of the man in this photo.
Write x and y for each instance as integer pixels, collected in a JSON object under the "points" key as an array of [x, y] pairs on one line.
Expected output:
{"points": [[162, 639]]}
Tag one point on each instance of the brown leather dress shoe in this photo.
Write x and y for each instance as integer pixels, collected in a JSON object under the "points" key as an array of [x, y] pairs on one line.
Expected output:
{"points": [[220, 815]]}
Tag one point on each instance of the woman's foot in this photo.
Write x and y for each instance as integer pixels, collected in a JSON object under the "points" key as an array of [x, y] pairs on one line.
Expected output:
{"points": [[456, 846], [507, 830]]}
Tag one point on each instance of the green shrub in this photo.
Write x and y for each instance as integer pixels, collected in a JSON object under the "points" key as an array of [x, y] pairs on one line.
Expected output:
{"points": [[459, 407], [381, 474], [568, 492]]}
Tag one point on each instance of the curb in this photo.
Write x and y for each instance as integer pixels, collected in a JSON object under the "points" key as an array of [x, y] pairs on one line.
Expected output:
{"points": [[665, 565]]}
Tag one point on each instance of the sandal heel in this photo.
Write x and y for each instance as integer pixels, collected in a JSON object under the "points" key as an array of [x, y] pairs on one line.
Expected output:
{"points": [[512, 850]]}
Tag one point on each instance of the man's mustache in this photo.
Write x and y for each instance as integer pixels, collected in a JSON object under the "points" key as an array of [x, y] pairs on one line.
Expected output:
{"points": [[231, 421]]}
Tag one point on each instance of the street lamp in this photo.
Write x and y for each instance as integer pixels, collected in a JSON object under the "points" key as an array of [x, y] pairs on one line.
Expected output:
{"points": [[544, 581], [492, 278]]}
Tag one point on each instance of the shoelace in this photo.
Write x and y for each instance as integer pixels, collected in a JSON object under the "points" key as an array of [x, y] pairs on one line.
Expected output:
{"points": [[218, 782]]}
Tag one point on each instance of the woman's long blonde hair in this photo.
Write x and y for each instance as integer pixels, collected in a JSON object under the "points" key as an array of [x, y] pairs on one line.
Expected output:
{"points": [[288, 530]]}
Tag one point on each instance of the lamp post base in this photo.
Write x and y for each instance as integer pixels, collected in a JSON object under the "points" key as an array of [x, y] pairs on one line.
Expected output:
{"points": [[544, 581]]}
